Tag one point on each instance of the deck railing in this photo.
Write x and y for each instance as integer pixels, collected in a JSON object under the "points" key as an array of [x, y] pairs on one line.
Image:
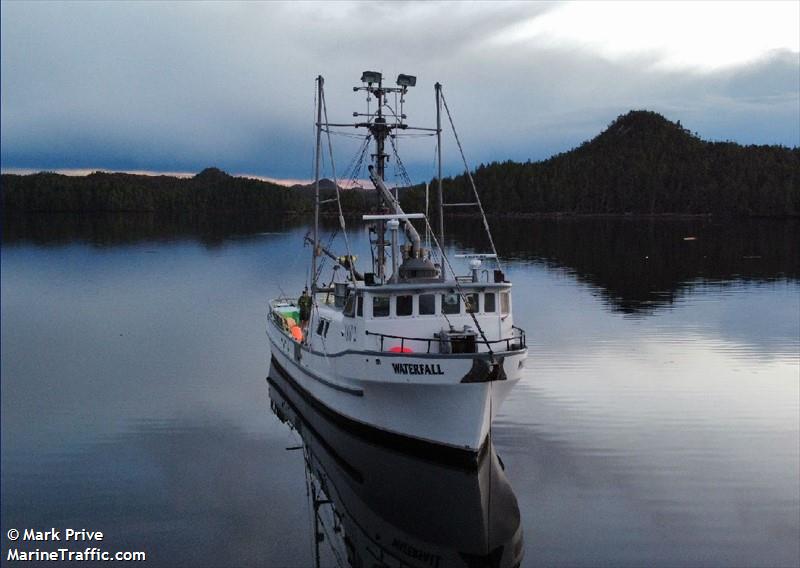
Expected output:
{"points": [[516, 341]]}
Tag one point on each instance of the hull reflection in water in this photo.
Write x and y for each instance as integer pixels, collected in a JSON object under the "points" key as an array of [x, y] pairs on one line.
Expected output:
{"points": [[379, 507]]}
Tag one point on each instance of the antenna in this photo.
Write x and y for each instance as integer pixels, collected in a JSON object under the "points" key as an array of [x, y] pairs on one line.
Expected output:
{"points": [[438, 88]]}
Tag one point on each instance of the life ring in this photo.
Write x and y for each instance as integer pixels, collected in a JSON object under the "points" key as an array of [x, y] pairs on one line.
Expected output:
{"points": [[297, 333]]}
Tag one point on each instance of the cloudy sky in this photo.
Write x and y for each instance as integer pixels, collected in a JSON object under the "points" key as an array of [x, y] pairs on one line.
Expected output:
{"points": [[177, 87]]}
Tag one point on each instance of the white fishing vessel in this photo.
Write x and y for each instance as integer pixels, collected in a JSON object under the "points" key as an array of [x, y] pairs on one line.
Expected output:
{"points": [[408, 352]]}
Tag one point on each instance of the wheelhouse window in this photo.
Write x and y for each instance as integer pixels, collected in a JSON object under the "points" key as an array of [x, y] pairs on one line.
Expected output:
{"points": [[451, 303], [380, 306], [489, 300], [404, 305], [359, 305], [427, 304], [472, 303], [505, 303]]}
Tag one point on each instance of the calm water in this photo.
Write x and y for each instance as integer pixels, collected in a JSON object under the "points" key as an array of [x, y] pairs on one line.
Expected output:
{"points": [[657, 423]]}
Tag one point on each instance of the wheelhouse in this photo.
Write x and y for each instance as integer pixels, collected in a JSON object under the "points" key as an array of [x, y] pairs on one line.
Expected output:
{"points": [[390, 303]]}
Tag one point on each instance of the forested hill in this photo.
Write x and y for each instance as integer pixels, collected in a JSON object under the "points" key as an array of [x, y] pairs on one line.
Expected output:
{"points": [[210, 191], [641, 164]]}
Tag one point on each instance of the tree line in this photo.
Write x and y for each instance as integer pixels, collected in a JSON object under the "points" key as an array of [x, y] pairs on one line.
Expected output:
{"points": [[212, 191], [641, 164]]}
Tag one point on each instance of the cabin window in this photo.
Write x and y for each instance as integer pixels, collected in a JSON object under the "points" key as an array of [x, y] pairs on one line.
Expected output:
{"points": [[472, 303], [404, 305], [427, 304], [350, 305], [322, 328], [505, 303], [451, 303], [380, 306], [359, 305], [489, 303]]}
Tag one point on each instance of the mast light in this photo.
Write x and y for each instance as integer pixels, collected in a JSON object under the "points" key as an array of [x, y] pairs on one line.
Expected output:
{"points": [[370, 77], [406, 80]]}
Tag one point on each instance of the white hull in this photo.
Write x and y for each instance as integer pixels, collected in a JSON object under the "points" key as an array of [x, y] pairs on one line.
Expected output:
{"points": [[417, 397]]}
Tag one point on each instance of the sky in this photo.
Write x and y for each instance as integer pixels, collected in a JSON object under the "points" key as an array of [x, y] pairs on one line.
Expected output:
{"points": [[178, 87]]}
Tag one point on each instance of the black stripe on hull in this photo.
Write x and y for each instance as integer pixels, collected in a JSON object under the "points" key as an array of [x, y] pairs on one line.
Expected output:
{"points": [[462, 458]]}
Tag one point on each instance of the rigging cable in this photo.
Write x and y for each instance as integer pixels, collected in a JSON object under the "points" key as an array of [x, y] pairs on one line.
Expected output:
{"points": [[463, 298], [472, 182], [350, 166], [338, 197], [405, 178], [399, 164], [314, 120]]}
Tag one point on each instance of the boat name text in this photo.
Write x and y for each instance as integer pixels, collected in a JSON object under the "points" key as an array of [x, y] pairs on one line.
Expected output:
{"points": [[416, 369]]}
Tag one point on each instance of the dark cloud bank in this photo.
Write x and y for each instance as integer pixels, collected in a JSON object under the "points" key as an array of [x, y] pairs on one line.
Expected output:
{"points": [[178, 87]]}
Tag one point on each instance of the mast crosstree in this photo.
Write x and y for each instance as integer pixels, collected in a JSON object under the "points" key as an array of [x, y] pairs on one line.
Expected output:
{"points": [[383, 123]]}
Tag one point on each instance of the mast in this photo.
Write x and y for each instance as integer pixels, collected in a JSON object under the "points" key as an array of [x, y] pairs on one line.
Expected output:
{"points": [[320, 82], [378, 126], [438, 88], [379, 131]]}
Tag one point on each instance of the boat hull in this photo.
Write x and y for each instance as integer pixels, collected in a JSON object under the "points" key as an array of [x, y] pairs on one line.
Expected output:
{"points": [[414, 519], [424, 406]]}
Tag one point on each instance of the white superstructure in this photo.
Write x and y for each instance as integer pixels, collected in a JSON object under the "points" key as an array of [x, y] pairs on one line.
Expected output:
{"points": [[415, 355]]}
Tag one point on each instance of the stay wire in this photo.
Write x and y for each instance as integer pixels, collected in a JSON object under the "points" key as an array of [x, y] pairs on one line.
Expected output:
{"points": [[471, 181], [399, 163], [463, 297], [403, 172], [338, 197], [358, 166], [313, 121]]}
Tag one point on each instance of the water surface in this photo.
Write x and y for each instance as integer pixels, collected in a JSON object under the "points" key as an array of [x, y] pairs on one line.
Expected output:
{"points": [[657, 423]]}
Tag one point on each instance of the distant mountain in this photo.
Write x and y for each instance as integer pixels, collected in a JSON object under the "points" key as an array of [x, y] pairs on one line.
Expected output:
{"points": [[213, 175], [641, 164]]}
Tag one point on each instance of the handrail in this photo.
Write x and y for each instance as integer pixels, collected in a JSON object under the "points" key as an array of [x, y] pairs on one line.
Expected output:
{"points": [[520, 339]]}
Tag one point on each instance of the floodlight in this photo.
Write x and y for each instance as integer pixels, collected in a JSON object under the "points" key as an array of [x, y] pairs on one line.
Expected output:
{"points": [[406, 80], [371, 77]]}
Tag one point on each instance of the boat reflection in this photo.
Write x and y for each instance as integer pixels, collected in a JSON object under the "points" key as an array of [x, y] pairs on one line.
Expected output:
{"points": [[377, 507]]}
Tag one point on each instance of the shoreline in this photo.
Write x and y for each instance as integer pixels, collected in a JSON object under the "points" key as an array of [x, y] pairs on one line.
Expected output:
{"points": [[561, 215]]}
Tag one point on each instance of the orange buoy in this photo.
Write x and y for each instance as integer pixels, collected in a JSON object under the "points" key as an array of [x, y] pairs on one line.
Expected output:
{"points": [[297, 333], [398, 349]]}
